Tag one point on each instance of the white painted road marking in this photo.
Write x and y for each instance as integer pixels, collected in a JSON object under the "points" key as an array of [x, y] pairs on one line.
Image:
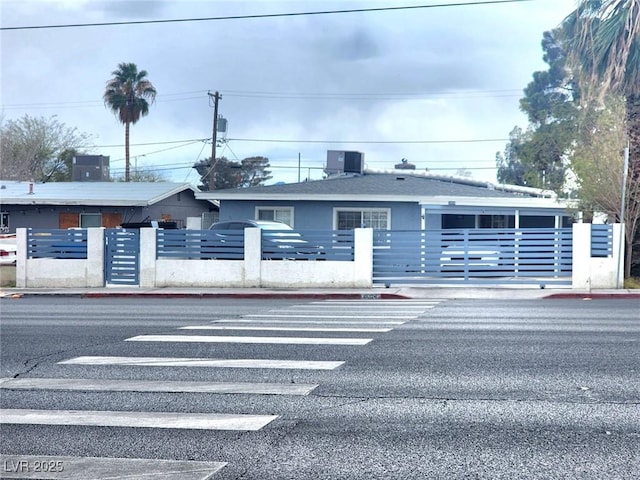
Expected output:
{"points": [[307, 322], [374, 313], [288, 329], [203, 362], [372, 303], [192, 421], [96, 468], [261, 340], [87, 384], [269, 315]]}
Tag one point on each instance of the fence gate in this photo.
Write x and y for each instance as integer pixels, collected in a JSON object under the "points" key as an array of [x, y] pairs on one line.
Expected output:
{"points": [[485, 256], [122, 254]]}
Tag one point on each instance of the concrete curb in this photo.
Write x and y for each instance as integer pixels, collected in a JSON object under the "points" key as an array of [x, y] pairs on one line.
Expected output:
{"points": [[593, 296], [248, 295], [401, 293]]}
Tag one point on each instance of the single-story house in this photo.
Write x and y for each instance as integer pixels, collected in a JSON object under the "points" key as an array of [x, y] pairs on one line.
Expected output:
{"points": [[395, 199], [100, 204]]}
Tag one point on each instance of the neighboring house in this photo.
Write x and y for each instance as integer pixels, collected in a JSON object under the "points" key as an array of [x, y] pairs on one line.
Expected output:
{"points": [[397, 199], [99, 204]]}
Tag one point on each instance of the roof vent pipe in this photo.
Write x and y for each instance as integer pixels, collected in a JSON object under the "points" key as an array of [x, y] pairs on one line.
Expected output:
{"points": [[30, 188]]}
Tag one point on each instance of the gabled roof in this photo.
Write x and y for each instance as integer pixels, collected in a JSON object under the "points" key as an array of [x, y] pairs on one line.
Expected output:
{"points": [[90, 193], [391, 186]]}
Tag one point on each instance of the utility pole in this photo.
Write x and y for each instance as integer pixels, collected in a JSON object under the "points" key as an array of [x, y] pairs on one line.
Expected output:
{"points": [[214, 139]]}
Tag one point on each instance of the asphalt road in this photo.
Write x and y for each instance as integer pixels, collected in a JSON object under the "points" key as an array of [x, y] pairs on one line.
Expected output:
{"points": [[404, 389]]}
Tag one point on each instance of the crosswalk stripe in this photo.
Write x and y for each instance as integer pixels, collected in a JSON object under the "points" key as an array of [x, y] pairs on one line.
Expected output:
{"points": [[252, 340], [87, 384], [102, 468], [365, 307], [359, 312], [405, 301], [307, 322], [361, 307], [191, 421], [270, 315], [287, 329], [204, 362]]}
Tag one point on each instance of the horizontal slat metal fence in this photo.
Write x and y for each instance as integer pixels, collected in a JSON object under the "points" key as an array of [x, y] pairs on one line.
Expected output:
{"points": [[540, 256], [43, 243], [334, 245], [122, 256], [200, 244], [601, 240]]}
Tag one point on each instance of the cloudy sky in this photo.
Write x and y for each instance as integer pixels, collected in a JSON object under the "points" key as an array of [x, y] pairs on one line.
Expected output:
{"points": [[438, 86]]}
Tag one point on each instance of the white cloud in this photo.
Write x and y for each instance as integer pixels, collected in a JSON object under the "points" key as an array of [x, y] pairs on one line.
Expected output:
{"points": [[429, 74]]}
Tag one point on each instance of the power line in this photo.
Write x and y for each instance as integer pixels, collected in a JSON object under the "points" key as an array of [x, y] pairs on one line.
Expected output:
{"points": [[376, 96], [90, 103], [513, 92], [268, 140], [189, 141], [261, 16], [179, 166]]}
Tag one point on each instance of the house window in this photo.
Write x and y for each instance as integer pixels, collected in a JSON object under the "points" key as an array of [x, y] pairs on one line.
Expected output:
{"points": [[450, 220], [496, 221], [535, 221], [4, 221], [347, 219], [276, 214], [88, 220]]}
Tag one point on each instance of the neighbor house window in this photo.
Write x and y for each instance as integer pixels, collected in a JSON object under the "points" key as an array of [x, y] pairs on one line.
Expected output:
{"points": [[4, 221], [348, 219], [276, 214], [89, 220]]}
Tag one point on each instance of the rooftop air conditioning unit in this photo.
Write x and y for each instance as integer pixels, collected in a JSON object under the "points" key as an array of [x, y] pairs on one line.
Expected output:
{"points": [[340, 161]]}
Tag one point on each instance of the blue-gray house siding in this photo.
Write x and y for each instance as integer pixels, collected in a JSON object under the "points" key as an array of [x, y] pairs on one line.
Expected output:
{"points": [[319, 215], [412, 201]]}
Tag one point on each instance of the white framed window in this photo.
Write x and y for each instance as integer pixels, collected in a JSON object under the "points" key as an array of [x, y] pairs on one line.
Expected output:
{"points": [[350, 218], [276, 214]]}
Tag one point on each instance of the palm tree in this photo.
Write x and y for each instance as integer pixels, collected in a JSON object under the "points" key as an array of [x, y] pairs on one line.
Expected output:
{"points": [[129, 95], [603, 41]]}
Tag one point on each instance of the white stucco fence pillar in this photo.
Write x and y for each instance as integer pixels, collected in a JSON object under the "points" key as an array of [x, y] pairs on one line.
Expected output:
{"points": [[21, 258], [147, 260], [252, 257], [363, 257], [95, 257], [596, 272]]}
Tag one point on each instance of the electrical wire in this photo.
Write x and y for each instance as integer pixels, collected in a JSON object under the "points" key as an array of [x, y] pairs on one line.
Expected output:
{"points": [[371, 96], [260, 16], [268, 140]]}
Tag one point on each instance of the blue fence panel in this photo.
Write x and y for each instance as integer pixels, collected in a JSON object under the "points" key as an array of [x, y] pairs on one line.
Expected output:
{"points": [[464, 255], [200, 244], [276, 244], [122, 256], [336, 245], [601, 240], [43, 243]]}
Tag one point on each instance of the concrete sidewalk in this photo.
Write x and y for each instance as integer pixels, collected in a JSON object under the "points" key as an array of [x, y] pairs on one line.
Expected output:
{"points": [[400, 292]]}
